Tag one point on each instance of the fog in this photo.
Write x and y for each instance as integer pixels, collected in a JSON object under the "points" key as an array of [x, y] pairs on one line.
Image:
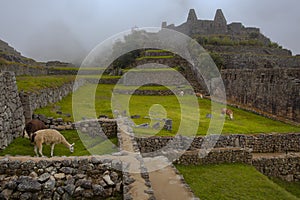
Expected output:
{"points": [[67, 30]]}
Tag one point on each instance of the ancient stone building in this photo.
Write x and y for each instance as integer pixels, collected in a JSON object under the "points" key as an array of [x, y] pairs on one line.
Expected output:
{"points": [[194, 26], [258, 76]]}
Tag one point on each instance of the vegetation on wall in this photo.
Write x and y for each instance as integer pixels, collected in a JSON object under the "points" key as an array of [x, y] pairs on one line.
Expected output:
{"points": [[224, 40], [34, 84], [218, 60]]}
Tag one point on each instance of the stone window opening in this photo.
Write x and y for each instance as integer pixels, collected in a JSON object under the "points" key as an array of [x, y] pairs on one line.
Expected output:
{"points": [[271, 79], [262, 78]]}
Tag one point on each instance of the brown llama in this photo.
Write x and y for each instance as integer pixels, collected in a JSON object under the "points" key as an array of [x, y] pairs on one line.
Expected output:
{"points": [[33, 126]]}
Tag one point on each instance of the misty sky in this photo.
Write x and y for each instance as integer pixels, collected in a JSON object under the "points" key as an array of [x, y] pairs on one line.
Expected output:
{"points": [[67, 30]]}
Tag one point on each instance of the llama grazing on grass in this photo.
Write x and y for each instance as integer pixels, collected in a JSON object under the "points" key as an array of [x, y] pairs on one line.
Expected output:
{"points": [[227, 112], [33, 126], [199, 95], [49, 137]]}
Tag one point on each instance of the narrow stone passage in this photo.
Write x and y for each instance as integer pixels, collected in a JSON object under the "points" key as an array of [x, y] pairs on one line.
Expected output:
{"points": [[165, 181], [139, 188]]}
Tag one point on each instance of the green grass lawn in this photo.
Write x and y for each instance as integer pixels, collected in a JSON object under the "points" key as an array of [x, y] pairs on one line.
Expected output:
{"points": [[22, 146], [232, 181], [155, 57], [292, 187], [244, 122], [34, 84]]}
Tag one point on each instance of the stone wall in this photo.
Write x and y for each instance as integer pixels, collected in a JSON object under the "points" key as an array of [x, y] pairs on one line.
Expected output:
{"points": [[255, 61], [254, 50], [154, 92], [286, 167], [42, 98], [274, 155], [103, 81], [272, 91], [61, 178], [109, 127], [21, 70], [216, 156], [161, 77], [62, 71], [11, 110], [185, 69], [260, 143]]}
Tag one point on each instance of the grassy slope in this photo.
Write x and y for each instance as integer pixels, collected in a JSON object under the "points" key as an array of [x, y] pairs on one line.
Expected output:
{"points": [[33, 84], [233, 181], [292, 187], [140, 105]]}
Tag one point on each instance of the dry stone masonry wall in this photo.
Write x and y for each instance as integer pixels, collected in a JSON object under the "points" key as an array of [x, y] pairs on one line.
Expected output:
{"points": [[21, 70], [56, 178], [11, 110], [261, 143], [286, 167], [216, 156], [275, 155], [42, 98], [109, 128], [272, 91]]}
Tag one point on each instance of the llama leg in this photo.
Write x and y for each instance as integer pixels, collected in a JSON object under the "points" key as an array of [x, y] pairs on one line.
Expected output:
{"points": [[41, 149], [52, 149], [35, 150]]}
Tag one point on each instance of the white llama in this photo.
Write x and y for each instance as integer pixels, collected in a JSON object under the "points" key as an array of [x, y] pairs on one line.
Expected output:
{"points": [[49, 137]]}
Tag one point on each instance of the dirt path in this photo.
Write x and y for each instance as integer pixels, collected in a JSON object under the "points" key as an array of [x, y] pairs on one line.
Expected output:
{"points": [[166, 183], [138, 187]]}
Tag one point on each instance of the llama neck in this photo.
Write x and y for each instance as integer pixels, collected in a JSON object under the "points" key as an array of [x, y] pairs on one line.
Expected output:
{"points": [[66, 143]]}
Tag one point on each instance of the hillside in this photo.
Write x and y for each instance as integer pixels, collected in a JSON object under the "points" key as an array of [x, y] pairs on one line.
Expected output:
{"points": [[9, 54], [12, 60]]}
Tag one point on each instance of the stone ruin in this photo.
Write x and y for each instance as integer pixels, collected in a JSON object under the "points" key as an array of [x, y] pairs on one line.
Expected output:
{"points": [[194, 26]]}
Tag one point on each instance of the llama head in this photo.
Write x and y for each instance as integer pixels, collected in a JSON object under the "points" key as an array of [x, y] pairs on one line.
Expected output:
{"points": [[72, 147]]}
